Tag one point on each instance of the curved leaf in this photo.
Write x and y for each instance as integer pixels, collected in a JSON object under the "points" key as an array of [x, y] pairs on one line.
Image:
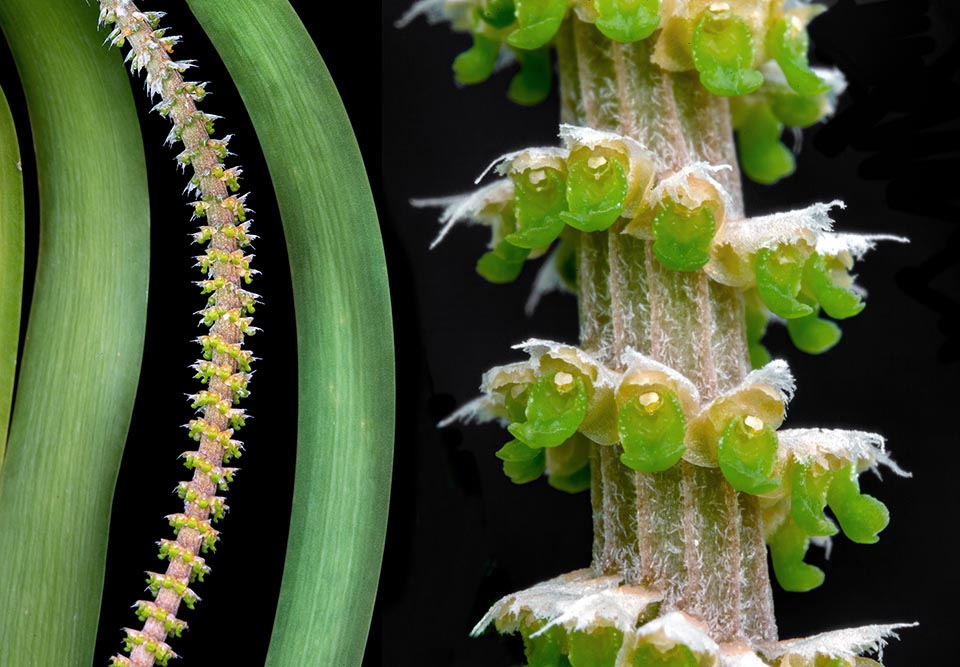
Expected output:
{"points": [[344, 330], [11, 262], [81, 357]]}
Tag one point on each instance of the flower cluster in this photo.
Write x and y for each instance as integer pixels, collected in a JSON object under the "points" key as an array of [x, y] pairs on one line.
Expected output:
{"points": [[225, 367], [562, 400]]}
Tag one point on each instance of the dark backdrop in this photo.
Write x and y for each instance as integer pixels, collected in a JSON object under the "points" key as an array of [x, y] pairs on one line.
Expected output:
{"points": [[460, 534]]}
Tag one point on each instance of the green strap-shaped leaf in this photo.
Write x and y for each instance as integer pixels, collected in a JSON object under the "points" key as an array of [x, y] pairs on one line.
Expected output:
{"points": [[531, 85], [820, 279], [788, 546], [477, 63], [627, 20], [652, 427], [595, 648], [788, 43], [779, 271], [861, 516], [521, 463], [556, 406], [11, 262], [747, 453], [344, 330], [723, 53], [648, 655], [502, 264], [763, 157], [498, 13], [682, 236], [813, 334], [547, 649], [84, 341], [596, 188], [808, 498], [539, 195], [538, 22]]}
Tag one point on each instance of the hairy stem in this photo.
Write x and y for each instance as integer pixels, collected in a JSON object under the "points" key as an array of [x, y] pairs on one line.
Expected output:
{"points": [[226, 365], [684, 531]]}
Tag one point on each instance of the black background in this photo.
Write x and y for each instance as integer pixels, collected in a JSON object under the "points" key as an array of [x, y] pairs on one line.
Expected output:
{"points": [[460, 534]]}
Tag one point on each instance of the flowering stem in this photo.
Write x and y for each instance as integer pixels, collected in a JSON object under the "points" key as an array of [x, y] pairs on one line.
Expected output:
{"points": [[684, 531], [225, 367]]}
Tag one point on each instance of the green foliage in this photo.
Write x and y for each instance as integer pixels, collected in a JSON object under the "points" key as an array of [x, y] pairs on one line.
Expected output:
{"points": [[72, 410], [11, 262], [345, 372]]}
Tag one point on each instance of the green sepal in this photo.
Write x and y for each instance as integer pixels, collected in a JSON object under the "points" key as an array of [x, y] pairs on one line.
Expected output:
{"points": [[813, 334], [502, 264], [652, 436], [596, 188], [796, 110], [597, 648], [477, 63], [756, 327], [497, 13], [539, 196], [808, 498], [627, 20], [788, 43], [547, 649], [837, 301], [762, 155], [779, 272], [553, 413], [788, 546], [723, 55], [861, 516], [521, 464], [648, 655], [682, 236], [531, 85], [747, 456], [538, 22]]}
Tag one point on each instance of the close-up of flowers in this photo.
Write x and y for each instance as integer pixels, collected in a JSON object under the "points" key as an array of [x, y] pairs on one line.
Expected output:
{"points": [[535, 333]]}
